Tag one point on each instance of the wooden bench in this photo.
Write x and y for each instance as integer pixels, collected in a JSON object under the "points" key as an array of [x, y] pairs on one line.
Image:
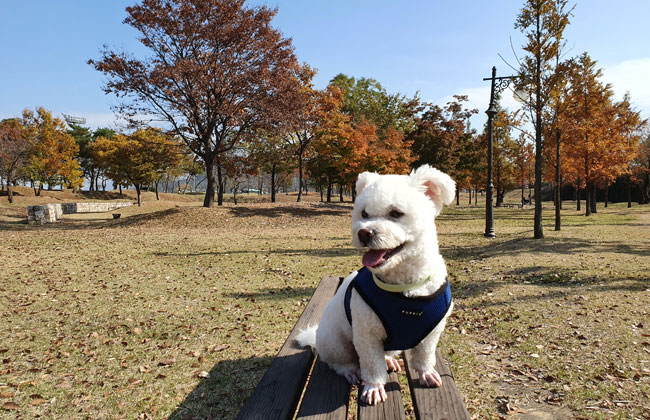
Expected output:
{"points": [[297, 386], [512, 205]]}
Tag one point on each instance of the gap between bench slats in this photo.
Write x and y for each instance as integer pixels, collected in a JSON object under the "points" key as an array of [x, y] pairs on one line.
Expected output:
{"points": [[327, 395], [435, 403], [277, 394]]}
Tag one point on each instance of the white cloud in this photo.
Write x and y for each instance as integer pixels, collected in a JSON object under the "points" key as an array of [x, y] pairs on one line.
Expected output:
{"points": [[631, 76]]}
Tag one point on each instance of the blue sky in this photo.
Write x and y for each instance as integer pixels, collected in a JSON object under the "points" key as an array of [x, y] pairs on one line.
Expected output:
{"points": [[439, 48]]}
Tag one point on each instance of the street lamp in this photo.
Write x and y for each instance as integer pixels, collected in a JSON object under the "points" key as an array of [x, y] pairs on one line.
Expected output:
{"points": [[497, 86]]}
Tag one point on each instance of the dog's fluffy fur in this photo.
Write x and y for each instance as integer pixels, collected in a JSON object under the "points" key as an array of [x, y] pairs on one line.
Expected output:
{"points": [[399, 211]]}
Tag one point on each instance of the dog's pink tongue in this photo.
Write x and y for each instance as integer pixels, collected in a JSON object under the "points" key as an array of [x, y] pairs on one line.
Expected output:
{"points": [[373, 257]]}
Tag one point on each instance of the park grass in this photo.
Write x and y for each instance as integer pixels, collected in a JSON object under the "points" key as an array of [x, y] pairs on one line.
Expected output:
{"points": [[175, 311]]}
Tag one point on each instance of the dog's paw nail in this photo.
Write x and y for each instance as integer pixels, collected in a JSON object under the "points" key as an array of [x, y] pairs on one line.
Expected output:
{"points": [[430, 378], [392, 365], [373, 394]]}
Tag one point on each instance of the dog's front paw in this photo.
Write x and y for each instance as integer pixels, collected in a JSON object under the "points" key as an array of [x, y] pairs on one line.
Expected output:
{"points": [[430, 378], [373, 394], [392, 365]]}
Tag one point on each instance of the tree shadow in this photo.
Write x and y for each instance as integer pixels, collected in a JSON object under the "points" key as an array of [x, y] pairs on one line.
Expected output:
{"points": [[275, 293], [90, 223], [102, 195], [316, 252], [224, 391], [291, 210], [563, 282], [567, 246]]}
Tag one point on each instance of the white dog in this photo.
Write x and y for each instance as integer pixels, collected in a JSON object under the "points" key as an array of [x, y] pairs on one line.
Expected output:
{"points": [[401, 298]]}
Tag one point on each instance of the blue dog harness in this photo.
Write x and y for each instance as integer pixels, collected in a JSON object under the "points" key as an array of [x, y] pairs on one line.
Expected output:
{"points": [[407, 321]]}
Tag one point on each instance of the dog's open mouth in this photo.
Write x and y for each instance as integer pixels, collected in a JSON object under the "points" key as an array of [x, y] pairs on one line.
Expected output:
{"points": [[377, 257]]}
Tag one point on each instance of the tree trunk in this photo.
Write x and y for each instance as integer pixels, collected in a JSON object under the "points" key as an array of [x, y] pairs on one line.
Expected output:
{"points": [[458, 195], [469, 202], [138, 187], [592, 200], [558, 183], [157, 196], [329, 191], [577, 199], [208, 201], [220, 185], [476, 196], [341, 192], [273, 168], [588, 200], [354, 193], [121, 195], [645, 191], [10, 193], [606, 193], [628, 188], [300, 163]]}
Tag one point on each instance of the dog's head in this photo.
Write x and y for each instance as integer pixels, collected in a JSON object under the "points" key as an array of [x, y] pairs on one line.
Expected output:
{"points": [[393, 216]]}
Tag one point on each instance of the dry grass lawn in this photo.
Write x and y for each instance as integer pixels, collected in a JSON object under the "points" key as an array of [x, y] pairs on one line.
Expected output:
{"points": [[175, 311]]}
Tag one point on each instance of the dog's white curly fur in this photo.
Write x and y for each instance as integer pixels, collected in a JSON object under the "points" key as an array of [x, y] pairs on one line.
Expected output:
{"points": [[357, 351]]}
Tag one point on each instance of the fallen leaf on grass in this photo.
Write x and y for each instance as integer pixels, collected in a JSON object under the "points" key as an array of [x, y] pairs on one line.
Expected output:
{"points": [[10, 406], [221, 347], [166, 362]]}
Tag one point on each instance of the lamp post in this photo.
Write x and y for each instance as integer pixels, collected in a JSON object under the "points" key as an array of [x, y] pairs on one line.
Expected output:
{"points": [[498, 84]]}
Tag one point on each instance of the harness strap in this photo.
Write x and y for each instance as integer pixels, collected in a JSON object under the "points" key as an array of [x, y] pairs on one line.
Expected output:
{"points": [[425, 311]]}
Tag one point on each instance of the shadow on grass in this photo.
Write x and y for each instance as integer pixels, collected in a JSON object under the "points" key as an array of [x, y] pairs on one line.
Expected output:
{"points": [[275, 293], [292, 210], [223, 393], [566, 246], [562, 282], [316, 252], [90, 223], [102, 195]]}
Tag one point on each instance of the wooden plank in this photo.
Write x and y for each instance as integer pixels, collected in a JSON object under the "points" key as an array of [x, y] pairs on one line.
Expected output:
{"points": [[435, 403], [279, 390], [327, 396], [391, 409]]}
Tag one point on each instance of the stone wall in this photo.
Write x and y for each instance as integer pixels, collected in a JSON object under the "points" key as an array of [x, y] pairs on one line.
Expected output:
{"points": [[50, 213]]}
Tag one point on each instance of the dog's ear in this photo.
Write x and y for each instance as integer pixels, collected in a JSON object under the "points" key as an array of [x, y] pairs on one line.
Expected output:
{"points": [[437, 185], [365, 179]]}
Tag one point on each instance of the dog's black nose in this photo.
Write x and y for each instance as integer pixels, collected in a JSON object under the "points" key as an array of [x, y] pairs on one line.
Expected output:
{"points": [[365, 236]]}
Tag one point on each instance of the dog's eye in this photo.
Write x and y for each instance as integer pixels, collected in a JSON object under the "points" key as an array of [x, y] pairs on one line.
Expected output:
{"points": [[364, 214], [396, 214]]}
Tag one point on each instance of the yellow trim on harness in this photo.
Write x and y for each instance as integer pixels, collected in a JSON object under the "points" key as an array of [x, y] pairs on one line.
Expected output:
{"points": [[399, 287]]}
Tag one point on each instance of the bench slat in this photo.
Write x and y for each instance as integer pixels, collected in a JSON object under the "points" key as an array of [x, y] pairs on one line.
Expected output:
{"points": [[327, 395], [435, 403], [391, 409], [279, 390]]}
